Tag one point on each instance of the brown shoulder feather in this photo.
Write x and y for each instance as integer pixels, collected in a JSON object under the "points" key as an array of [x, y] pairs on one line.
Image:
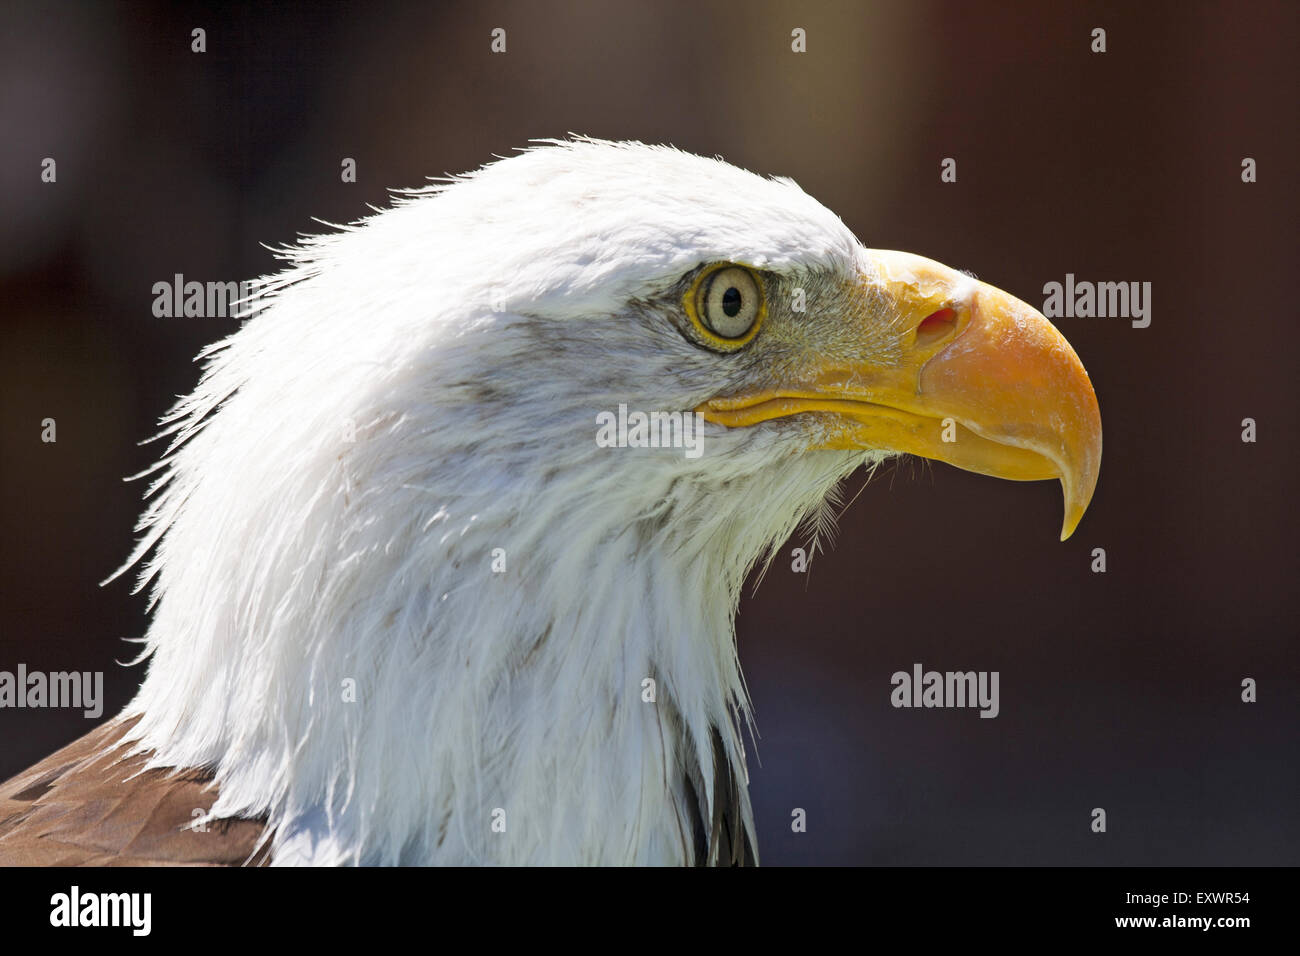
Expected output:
{"points": [[90, 804]]}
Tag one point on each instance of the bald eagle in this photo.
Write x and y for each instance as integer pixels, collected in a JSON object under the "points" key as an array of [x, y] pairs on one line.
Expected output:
{"points": [[408, 608]]}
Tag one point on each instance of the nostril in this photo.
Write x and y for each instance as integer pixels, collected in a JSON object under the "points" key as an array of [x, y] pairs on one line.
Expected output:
{"points": [[936, 326]]}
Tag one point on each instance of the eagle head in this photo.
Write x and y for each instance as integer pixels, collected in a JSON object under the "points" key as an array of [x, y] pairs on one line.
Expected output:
{"points": [[449, 539]]}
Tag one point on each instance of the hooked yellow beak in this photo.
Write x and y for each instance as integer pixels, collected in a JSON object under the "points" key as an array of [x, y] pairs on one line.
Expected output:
{"points": [[982, 381]]}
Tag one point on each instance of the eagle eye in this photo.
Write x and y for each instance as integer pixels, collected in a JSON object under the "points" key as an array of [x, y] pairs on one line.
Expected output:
{"points": [[725, 304]]}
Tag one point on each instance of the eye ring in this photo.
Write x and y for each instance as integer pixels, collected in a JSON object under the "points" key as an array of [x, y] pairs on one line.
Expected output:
{"points": [[726, 305]]}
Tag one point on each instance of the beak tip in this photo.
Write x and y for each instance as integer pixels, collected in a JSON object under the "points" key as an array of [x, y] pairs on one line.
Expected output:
{"points": [[1075, 506]]}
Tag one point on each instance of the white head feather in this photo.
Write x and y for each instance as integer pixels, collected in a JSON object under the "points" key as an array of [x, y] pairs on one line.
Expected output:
{"points": [[412, 393]]}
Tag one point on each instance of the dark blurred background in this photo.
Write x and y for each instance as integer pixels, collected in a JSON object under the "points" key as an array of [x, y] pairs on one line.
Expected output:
{"points": [[1118, 690]]}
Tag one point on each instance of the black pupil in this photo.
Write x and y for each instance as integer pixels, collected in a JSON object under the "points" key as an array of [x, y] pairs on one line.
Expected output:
{"points": [[731, 302]]}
